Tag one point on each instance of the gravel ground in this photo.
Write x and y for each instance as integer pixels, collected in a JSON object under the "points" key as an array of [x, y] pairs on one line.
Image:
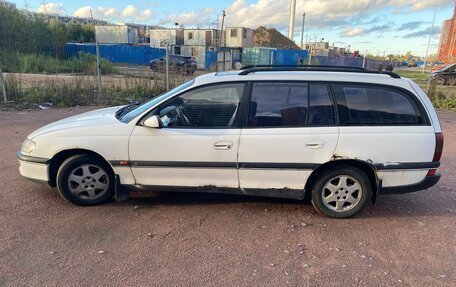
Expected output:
{"points": [[217, 240]]}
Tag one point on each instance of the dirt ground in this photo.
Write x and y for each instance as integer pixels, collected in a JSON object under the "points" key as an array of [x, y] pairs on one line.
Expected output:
{"points": [[218, 240]]}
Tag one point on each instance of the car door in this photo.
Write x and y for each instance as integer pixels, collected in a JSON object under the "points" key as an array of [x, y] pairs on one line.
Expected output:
{"points": [[198, 143], [290, 130]]}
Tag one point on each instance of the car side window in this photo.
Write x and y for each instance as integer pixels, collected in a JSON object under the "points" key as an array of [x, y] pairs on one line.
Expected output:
{"points": [[278, 104], [321, 108], [212, 106], [375, 105]]}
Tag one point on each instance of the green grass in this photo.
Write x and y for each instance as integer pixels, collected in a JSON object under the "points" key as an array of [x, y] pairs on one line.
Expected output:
{"points": [[83, 90], [15, 62], [442, 97]]}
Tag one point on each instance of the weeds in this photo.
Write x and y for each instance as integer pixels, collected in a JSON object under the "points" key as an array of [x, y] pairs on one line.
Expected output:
{"points": [[82, 90], [86, 64]]}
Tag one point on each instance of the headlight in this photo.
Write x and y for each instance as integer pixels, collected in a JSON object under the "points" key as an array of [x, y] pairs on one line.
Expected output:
{"points": [[28, 146]]}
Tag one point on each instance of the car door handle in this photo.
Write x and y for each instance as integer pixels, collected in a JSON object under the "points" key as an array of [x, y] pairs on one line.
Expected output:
{"points": [[223, 145], [317, 144]]}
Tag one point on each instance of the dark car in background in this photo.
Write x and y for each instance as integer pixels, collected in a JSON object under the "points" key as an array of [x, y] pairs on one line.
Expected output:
{"points": [[445, 76], [177, 64]]}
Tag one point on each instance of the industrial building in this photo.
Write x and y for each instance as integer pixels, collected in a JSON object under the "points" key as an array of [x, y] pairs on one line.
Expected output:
{"points": [[447, 45], [324, 49], [238, 37], [197, 43]]}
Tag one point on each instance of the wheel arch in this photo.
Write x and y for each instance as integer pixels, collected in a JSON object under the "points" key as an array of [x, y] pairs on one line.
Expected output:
{"points": [[57, 160], [366, 167]]}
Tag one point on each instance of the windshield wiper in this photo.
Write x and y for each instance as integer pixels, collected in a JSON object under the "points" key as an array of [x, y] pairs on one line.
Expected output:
{"points": [[123, 111]]}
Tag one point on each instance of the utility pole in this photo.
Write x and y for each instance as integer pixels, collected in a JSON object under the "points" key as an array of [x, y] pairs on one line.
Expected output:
{"points": [[292, 20], [429, 41], [220, 43], [97, 49], [221, 29], [302, 30]]}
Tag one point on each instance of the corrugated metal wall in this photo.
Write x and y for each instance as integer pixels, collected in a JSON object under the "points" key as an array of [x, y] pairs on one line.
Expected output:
{"points": [[257, 56], [137, 55], [289, 57], [211, 59]]}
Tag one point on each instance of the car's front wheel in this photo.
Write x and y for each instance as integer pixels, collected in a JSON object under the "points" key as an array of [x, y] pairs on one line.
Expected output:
{"points": [[342, 192], [85, 180]]}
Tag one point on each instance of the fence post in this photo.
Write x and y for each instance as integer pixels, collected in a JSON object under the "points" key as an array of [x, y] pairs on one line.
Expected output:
{"points": [[167, 68], [2, 82], [100, 87]]}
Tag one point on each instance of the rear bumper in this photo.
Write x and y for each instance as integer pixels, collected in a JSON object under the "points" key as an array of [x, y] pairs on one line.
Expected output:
{"points": [[428, 182], [34, 168]]}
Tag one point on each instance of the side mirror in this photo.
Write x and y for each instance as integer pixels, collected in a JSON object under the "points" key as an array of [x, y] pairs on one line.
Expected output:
{"points": [[153, 122]]}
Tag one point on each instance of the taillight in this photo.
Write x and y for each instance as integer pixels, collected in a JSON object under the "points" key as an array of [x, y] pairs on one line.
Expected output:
{"points": [[438, 146], [431, 172]]}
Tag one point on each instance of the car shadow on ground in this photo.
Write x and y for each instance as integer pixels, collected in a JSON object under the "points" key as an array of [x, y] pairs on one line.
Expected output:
{"points": [[387, 206]]}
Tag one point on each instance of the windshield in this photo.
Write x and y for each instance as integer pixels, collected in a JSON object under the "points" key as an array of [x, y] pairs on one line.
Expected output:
{"points": [[152, 102]]}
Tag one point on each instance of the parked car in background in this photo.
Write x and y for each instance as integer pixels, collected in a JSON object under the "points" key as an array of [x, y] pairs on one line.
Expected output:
{"points": [[412, 64], [444, 76], [338, 136], [177, 64]]}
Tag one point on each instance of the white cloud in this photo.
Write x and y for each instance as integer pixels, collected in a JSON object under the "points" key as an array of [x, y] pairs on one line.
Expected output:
{"points": [[52, 8], [201, 18], [352, 32], [130, 11], [145, 15], [83, 11]]}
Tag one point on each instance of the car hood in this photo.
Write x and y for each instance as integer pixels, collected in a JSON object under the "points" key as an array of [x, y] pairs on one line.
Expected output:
{"points": [[98, 117]]}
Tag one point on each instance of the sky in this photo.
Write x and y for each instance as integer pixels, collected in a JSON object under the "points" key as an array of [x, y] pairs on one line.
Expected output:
{"points": [[375, 26]]}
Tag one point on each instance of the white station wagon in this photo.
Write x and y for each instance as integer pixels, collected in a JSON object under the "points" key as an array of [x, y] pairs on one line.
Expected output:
{"points": [[336, 136]]}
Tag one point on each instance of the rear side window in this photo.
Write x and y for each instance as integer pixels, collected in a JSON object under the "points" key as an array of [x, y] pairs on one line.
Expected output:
{"points": [[375, 105], [278, 104], [291, 105]]}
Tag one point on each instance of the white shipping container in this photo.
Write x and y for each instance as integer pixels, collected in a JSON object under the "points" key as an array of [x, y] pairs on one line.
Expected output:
{"points": [[116, 34], [160, 38]]}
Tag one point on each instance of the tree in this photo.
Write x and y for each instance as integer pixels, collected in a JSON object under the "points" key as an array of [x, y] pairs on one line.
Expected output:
{"points": [[80, 33]]}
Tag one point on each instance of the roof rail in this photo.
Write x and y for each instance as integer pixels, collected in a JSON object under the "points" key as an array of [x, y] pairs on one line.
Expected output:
{"points": [[288, 68]]}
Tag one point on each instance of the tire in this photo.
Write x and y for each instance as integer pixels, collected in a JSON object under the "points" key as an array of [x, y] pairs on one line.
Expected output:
{"points": [[85, 180], [439, 80], [342, 192]]}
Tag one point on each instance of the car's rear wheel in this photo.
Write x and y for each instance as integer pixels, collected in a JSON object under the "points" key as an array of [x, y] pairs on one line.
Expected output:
{"points": [[440, 80], [85, 180], [342, 192]]}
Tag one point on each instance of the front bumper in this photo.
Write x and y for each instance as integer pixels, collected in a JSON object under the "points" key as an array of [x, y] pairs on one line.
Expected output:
{"points": [[35, 169], [426, 183]]}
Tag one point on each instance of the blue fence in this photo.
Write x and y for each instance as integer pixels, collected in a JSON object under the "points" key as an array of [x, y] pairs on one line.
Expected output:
{"points": [[289, 57], [211, 59], [141, 55], [137, 55]]}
